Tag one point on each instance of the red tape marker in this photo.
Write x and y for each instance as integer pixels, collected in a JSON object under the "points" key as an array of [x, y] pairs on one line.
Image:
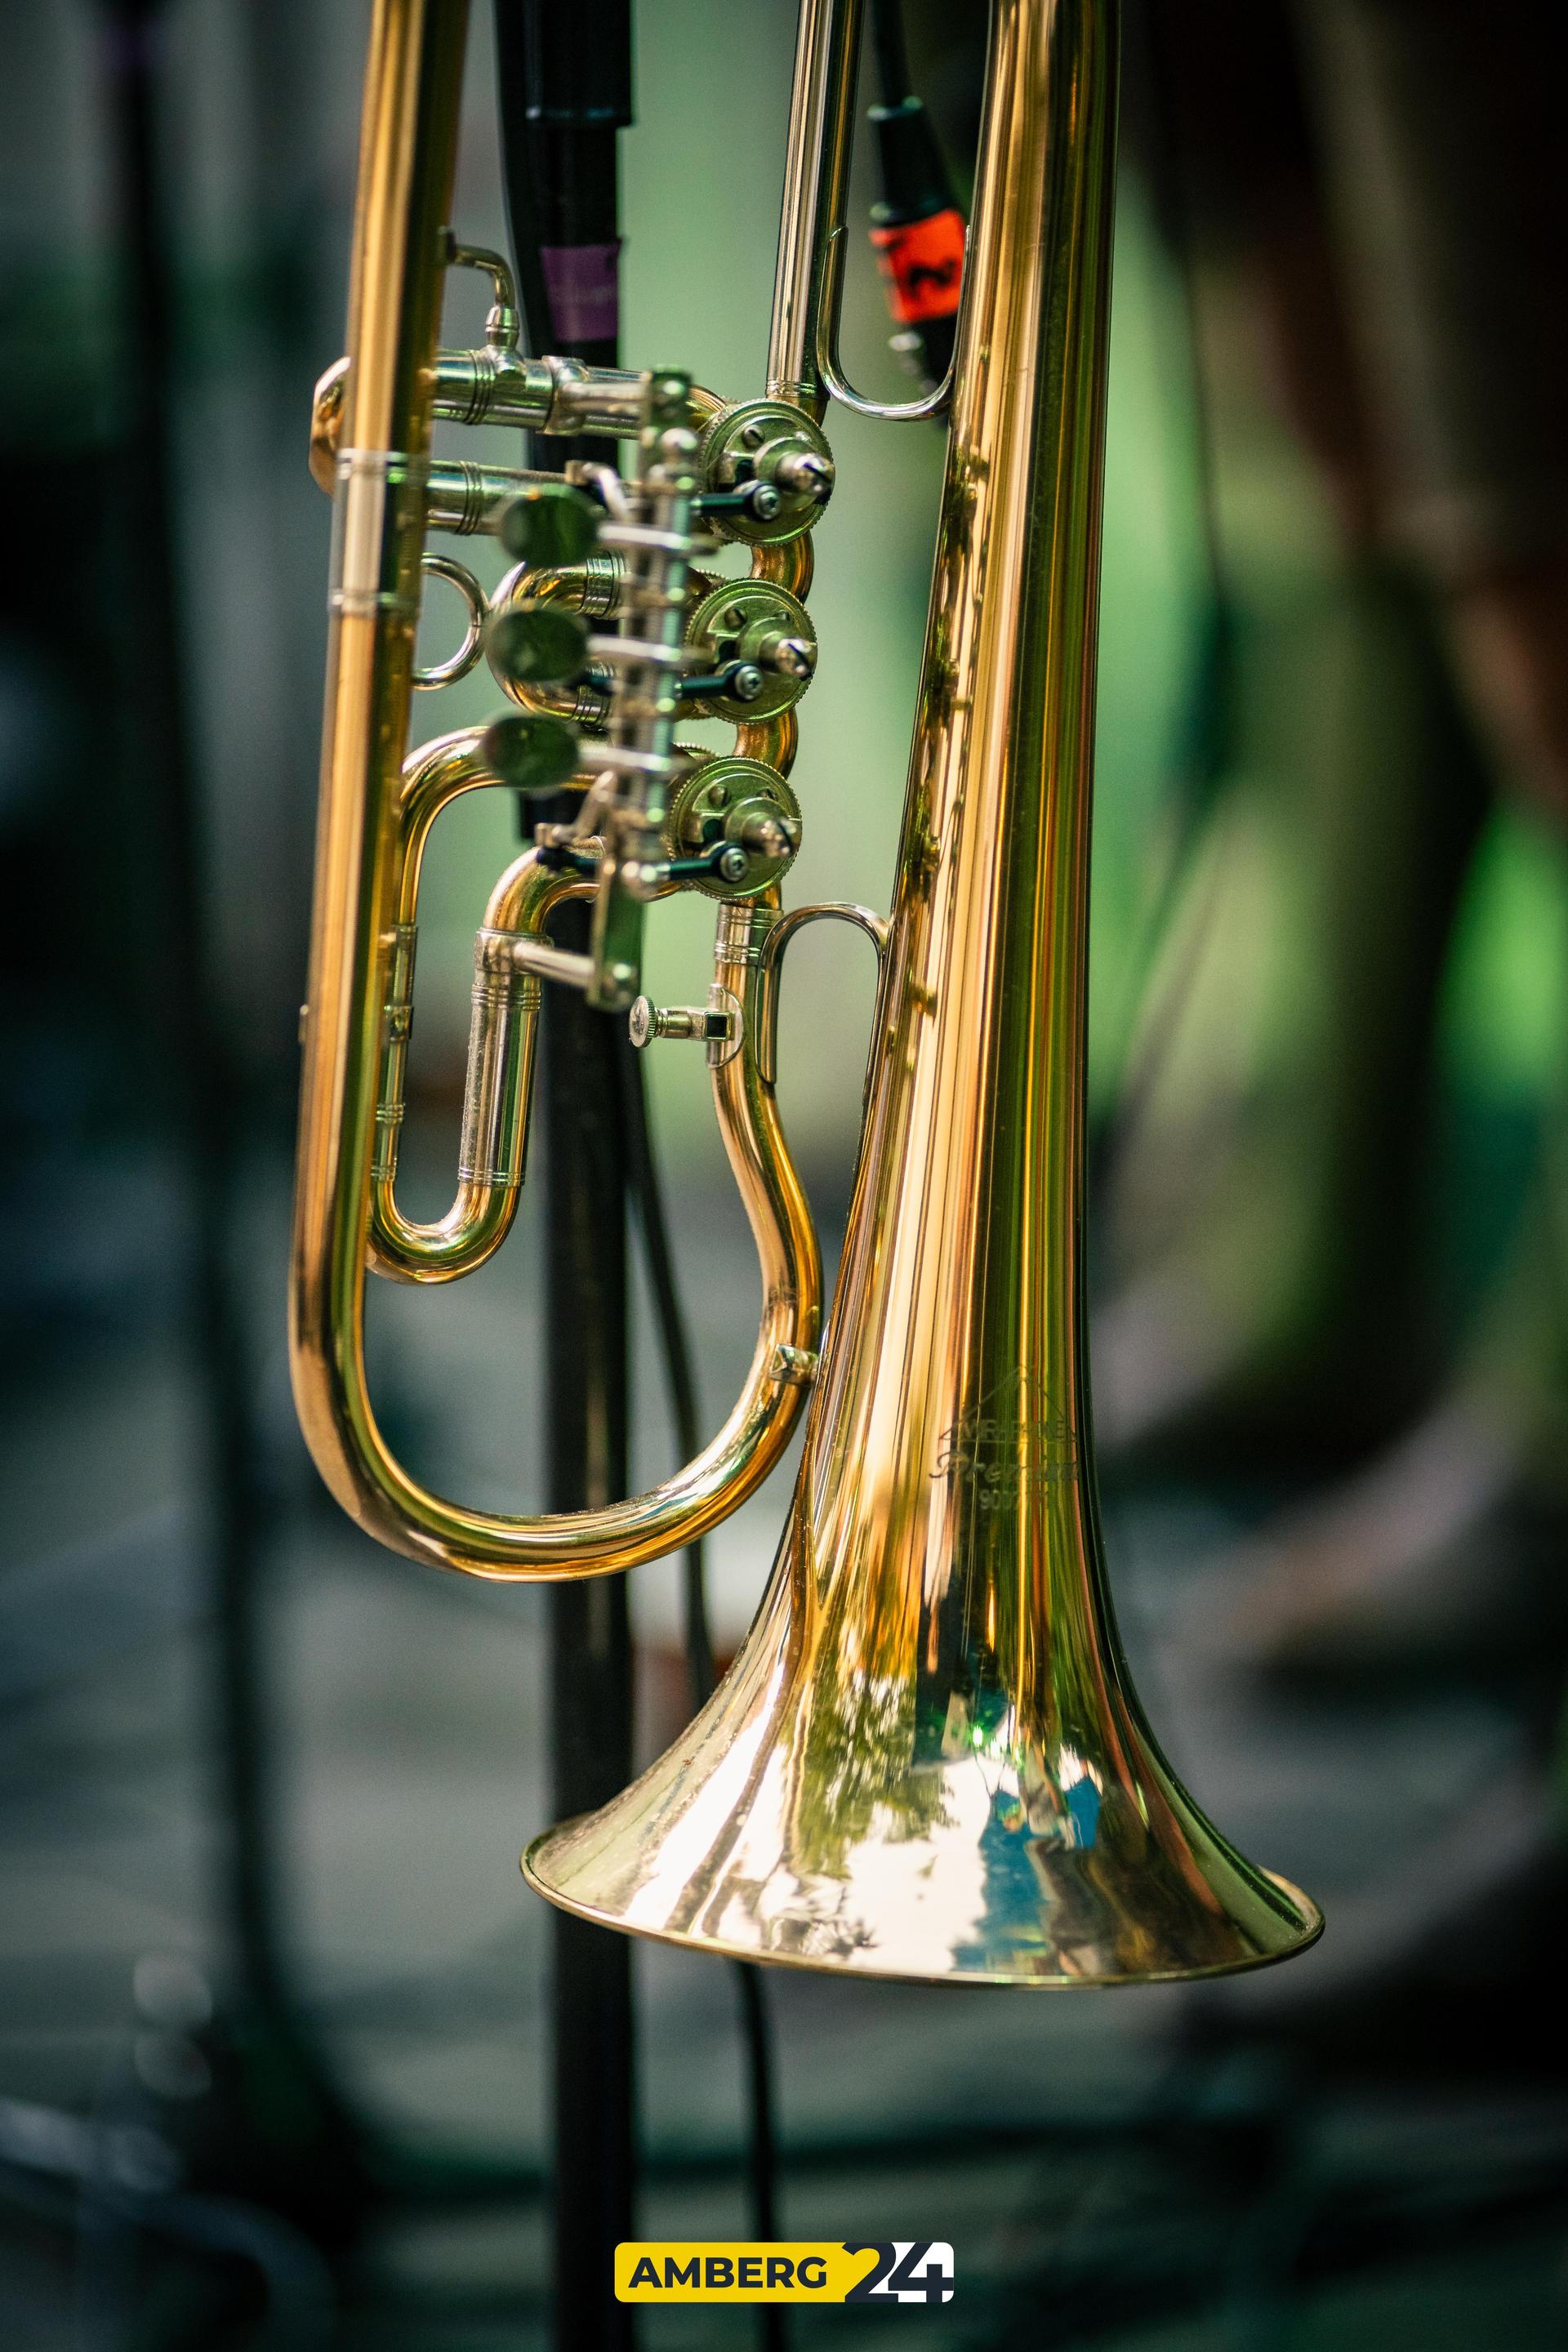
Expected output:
{"points": [[922, 263]]}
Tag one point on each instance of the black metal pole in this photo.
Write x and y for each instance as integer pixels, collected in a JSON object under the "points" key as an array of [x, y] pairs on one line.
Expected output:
{"points": [[563, 102]]}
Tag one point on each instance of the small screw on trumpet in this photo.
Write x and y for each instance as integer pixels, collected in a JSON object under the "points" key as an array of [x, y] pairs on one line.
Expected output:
{"points": [[760, 501], [807, 474], [716, 1024], [770, 836], [647, 1022], [742, 681]]}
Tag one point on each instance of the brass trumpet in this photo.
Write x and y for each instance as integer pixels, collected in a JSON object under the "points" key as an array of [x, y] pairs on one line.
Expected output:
{"points": [[928, 1760]]}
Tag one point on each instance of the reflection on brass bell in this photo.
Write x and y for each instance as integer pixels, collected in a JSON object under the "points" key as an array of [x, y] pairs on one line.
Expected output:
{"points": [[929, 1760]]}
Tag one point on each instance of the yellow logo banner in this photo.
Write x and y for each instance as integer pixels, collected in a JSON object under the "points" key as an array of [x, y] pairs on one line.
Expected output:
{"points": [[784, 2270]]}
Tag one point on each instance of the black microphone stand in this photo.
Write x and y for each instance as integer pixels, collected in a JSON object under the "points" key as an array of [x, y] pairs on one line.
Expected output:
{"points": [[565, 98]]}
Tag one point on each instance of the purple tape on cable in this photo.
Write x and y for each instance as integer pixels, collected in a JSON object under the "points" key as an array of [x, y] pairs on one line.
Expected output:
{"points": [[584, 286]]}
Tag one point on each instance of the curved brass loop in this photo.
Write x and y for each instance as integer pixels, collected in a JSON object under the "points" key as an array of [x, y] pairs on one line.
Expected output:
{"points": [[458, 665], [830, 367], [327, 1355], [374, 828], [432, 778], [772, 741], [808, 285], [502, 326], [790, 566], [327, 425], [836, 910], [500, 1043], [497, 1094], [591, 588]]}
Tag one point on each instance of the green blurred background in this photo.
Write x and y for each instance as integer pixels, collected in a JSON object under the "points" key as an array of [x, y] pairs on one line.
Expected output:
{"points": [[1327, 1310]]}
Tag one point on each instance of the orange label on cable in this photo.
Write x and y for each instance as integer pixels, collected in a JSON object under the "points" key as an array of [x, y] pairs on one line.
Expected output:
{"points": [[923, 262]]}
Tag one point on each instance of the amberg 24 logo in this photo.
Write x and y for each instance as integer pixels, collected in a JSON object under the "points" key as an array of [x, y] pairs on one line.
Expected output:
{"points": [[862, 2270], [906, 2269]]}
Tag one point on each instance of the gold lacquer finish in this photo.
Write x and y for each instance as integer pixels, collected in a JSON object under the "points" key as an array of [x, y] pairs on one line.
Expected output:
{"points": [[929, 1760], [371, 437]]}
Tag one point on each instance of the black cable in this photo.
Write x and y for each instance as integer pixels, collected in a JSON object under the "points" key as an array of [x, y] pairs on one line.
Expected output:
{"points": [[648, 1202], [562, 102], [202, 1090], [756, 2027], [890, 50]]}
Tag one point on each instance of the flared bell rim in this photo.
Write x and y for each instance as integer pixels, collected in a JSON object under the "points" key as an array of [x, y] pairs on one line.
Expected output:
{"points": [[993, 1974]]}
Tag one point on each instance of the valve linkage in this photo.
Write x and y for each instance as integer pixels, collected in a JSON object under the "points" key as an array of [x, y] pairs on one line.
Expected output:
{"points": [[598, 706]]}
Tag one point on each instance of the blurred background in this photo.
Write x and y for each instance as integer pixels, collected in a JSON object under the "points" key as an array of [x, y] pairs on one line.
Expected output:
{"points": [[272, 2060]]}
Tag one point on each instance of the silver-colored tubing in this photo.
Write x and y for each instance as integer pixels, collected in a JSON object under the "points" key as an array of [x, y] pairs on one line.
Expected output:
{"points": [[545, 963], [495, 1096], [827, 50]]}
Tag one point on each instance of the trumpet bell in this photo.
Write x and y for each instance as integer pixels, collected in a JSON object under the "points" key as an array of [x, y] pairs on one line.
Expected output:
{"points": [[929, 1760], [863, 1793]]}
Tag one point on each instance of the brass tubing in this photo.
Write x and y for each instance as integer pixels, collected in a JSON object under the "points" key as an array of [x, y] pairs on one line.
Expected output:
{"points": [[459, 496], [816, 158], [373, 1487], [371, 830], [772, 741], [808, 280], [406, 156], [496, 1094], [928, 1760], [592, 588], [498, 1073], [790, 566], [435, 776]]}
